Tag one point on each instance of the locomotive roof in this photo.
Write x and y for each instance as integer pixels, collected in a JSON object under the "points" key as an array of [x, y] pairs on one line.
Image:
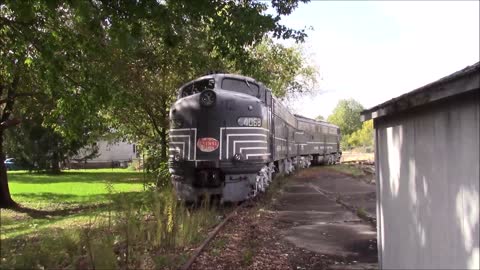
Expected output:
{"points": [[222, 75], [242, 77], [315, 121]]}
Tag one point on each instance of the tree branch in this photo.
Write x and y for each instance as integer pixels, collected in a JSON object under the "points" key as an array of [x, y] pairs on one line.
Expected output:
{"points": [[5, 21], [10, 100], [151, 116], [40, 49], [33, 94], [9, 123]]}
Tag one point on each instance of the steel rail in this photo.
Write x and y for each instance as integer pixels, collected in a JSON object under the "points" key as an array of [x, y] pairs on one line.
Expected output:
{"points": [[212, 235]]}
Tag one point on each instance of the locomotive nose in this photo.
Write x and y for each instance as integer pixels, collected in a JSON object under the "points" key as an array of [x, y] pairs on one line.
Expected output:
{"points": [[198, 122]]}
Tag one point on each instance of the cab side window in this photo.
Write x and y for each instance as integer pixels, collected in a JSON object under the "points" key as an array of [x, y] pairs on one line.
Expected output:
{"points": [[197, 87]]}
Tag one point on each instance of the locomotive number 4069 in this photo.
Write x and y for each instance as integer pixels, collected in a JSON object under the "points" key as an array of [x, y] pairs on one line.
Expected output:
{"points": [[249, 122]]}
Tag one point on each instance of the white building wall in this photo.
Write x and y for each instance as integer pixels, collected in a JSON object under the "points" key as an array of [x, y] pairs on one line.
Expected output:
{"points": [[428, 186], [119, 151]]}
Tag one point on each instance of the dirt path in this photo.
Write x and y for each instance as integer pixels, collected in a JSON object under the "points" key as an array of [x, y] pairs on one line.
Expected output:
{"points": [[304, 228]]}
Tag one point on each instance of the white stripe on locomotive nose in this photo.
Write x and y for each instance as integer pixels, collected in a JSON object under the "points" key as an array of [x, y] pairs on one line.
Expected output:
{"points": [[241, 135], [183, 144], [235, 144], [183, 147], [259, 128], [252, 148], [256, 155], [189, 140], [236, 128], [246, 134], [195, 145], [181, 129]]}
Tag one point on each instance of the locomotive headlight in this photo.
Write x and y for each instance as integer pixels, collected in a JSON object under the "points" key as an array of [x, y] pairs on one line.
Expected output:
{"points": [[207, 98], [237, 157], [177, 157]]}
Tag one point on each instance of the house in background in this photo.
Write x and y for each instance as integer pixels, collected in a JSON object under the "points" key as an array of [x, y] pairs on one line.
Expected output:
{"points": [[428, 172], [108, 155]]}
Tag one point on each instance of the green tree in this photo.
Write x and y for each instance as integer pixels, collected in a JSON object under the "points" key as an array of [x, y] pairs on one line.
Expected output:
{"points": [[84, 57], [285, 70], [51, 53], [320, 118], [362, 137], [346, 115], [141, 105], [40, 148]]}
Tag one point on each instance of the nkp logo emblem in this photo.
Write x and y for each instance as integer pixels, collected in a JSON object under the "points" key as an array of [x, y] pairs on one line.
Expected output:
{"points": [[207, 144]]}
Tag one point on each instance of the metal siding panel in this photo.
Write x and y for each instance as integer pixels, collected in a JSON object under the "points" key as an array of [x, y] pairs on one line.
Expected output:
{"points": [[428, 173], [377, 140]]}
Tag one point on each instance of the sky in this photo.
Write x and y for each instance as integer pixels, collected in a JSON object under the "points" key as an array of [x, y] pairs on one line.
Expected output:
{"points": [[373, 51]]}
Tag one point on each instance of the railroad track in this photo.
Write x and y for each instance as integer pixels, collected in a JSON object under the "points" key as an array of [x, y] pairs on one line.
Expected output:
{"points": [[211, 236], [365, 161], [367, 166]]}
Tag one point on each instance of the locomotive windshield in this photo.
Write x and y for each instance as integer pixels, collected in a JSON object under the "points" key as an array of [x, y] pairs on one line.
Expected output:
{"points": [[242, 86], [197, 87]]}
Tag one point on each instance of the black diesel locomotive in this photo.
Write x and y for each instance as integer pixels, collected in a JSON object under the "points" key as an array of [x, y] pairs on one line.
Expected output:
{"points": [[228, 135]]}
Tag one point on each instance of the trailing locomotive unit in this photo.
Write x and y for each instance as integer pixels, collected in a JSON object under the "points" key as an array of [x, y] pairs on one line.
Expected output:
{"points": [[228, 135]]}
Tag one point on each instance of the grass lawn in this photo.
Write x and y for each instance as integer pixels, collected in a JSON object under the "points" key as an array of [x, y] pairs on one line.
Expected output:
{"points": [[95, 218], [68, 199]]}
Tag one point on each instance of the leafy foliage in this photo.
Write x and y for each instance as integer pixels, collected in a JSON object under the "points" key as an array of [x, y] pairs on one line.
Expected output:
{"points": [[284, 69], [346, 115], [362, 137], [36, 146], [40, 148], [140, 106], [103, 65]]}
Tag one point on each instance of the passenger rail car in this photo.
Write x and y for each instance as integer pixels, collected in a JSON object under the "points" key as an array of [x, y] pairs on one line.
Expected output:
{"points": [[228, 135]]}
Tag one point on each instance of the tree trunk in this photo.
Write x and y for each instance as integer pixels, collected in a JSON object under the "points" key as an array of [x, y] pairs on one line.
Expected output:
{"points": [[54, 167], [164, 142], [6, 200], [165, 127]]}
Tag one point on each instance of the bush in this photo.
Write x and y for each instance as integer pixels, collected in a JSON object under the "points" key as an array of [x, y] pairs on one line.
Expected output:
{"points": [[362, 137], [133, 231]]}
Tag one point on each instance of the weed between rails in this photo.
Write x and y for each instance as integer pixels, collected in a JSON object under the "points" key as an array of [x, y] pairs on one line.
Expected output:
{"points": [[152, 231]]}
